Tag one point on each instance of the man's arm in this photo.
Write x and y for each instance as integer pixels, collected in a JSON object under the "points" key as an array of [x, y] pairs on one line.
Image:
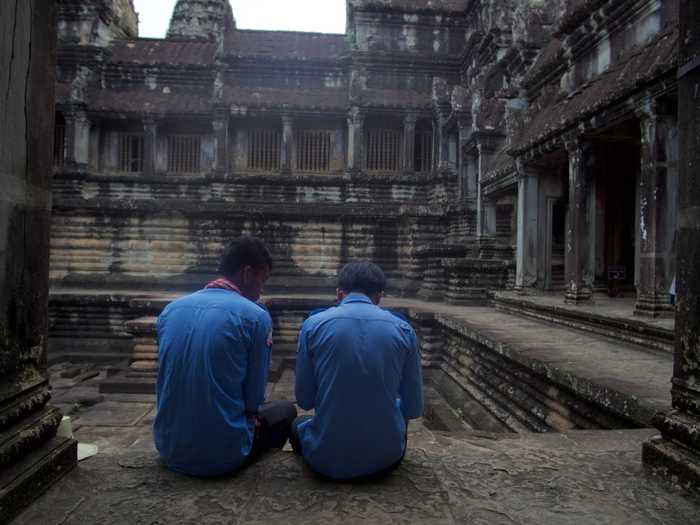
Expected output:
{"points": [[305, 382], [411, 390], [258, 366]]}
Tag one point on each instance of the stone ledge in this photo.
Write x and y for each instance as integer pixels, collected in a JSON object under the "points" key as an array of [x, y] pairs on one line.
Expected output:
{"points": [[622, 328]]}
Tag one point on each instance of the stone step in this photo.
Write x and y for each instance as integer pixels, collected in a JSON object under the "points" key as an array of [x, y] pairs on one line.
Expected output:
{"points": [[646, 333]]}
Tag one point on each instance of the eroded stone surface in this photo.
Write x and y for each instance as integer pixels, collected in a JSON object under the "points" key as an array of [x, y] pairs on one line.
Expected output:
{"points": [[583, 477]]}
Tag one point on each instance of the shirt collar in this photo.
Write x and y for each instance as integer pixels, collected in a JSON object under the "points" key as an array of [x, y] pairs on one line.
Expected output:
{"points": [[357, 298]]}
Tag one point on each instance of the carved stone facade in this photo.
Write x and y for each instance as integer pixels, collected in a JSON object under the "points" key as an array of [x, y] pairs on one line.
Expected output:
{"points": [[466, 146], [528, 142]]}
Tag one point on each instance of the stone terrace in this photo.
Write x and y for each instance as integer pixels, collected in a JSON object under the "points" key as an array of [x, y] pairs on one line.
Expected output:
{"points": [[452, 472]]}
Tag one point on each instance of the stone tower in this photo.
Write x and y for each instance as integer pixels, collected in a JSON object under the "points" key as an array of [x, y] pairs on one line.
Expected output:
{"points": [[200, 19]]}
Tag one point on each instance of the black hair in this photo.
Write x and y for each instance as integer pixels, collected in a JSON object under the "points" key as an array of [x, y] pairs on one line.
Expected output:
{"points": [[363, 277], [242, 252]]}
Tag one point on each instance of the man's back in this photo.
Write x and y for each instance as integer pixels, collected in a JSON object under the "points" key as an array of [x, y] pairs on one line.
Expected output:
{"points": [[214, 358], [359, 367]]}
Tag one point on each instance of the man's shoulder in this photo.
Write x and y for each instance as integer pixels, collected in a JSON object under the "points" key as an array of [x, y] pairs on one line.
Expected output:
{"points": [[392, 318], [223, 300]]}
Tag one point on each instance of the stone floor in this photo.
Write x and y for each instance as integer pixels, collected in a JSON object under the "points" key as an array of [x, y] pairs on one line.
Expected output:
{"points": [[582, 477]]}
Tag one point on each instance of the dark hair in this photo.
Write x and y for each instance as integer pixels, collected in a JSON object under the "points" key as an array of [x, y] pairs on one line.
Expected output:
{"points": [[242, 252], [363, 277]]}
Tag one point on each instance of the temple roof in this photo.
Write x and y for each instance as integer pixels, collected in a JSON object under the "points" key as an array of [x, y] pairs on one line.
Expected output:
{"points": [[285, 45], [143, 100], [259, 97], [412, 6], [636, 68], [147, 51], [393, 98]]}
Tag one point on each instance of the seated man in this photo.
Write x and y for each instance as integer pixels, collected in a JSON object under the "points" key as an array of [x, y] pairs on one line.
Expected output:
{"points": [[214, 361], [359, 367]]}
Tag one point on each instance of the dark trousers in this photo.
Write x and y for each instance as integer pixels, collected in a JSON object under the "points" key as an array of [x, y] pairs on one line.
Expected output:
{"points": [[275, 427], [297, 447]]}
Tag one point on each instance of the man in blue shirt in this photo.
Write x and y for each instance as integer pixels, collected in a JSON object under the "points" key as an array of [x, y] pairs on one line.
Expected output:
{"points": [[359, 367], [214, 359]]}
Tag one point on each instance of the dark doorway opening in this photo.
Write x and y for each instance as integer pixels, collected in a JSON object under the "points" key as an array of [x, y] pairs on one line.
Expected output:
{"points": [[616, 194]]}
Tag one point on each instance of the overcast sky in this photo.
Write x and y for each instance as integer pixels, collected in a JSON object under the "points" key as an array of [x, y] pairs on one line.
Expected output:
{"points": [[325, 16]]}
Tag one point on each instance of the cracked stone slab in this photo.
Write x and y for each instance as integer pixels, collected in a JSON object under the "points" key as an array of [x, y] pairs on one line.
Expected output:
{"points": [[113, 414]]}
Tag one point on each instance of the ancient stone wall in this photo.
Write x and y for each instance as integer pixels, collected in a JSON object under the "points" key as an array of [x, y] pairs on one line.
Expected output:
{"points": [[31, 458]]}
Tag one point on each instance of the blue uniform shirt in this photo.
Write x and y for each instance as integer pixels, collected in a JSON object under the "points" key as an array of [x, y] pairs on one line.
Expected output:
{"points": [[359, 367], [214, 361]]}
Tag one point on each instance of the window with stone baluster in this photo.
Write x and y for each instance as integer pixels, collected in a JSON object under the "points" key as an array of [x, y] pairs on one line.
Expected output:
{"points": [[313, 150], [130, 150], [184, 153], [264, 149], [383, 149]]}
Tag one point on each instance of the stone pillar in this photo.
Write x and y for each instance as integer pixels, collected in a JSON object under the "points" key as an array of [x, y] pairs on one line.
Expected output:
{"points": [[77, 139], [287, 143], [579, 277], [466, 171], [527, 233], [486, 209], [150, 138], [443, 145], [409, 142], [658, 205], [220, 127], [356, 137], [81, 141], [69, 140], [31, 456], [675, 455]]}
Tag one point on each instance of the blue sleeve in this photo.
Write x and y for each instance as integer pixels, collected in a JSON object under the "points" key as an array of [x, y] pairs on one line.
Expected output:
{"points": [[305, 382], [258, 365], [411, 390]]}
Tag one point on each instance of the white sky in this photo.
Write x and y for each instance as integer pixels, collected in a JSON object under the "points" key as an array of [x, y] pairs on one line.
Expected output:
{"points": [[325, 16]]}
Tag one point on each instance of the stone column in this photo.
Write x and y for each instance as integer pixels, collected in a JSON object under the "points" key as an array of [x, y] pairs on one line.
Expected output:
{"points": [[69, 140], [675, 455], [220, 127], [356, 137], [409, 142], [466, 172], [77, 139], [579, 277], [31, 456], [527, 233], [486, 209], [287, 143], [443, 145], [658, 205], [150, 137]]}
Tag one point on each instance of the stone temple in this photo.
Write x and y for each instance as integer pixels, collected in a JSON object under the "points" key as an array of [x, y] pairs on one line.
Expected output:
{"points": [[525, 171]]}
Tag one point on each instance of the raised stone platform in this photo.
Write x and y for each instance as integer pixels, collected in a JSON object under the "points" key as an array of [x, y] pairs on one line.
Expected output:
{"points": [[581, 477], [610, 317], [502, 372]]}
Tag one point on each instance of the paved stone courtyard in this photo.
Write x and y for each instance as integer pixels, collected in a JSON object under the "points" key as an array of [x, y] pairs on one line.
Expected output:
{"points": [[448, 477]]}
